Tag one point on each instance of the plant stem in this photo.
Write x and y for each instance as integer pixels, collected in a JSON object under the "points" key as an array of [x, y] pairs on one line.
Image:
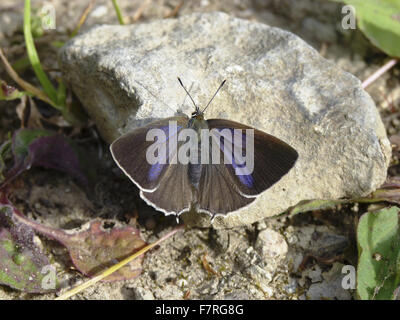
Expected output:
{"points": [[33, 56], [118, 11]]}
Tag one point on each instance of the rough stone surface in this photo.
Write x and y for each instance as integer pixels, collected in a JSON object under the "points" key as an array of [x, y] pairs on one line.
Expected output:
{"points": [[126, 76], [271, 244], [331, 288]]}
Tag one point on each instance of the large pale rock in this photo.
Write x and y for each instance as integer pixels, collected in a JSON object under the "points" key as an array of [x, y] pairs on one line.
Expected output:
{"points": [[126, 76]]}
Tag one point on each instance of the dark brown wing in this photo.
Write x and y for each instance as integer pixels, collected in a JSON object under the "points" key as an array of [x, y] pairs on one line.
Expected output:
{"points": [[273, 158], [129, 152], [222, 190], [174, 193], [217, 192]]}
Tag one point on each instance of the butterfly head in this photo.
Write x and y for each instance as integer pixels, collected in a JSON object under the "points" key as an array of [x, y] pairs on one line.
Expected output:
{"points": [[198, 114]]}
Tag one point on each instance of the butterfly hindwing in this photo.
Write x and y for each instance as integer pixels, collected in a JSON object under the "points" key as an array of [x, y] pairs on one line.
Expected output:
{"points": [[174, 193], [217, 191]]}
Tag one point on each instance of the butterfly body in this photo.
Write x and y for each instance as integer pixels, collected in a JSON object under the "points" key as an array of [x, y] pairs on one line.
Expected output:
{"points": [[197, 123]]}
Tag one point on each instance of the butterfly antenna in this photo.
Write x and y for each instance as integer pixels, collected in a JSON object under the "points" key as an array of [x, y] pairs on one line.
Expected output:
{"points": [[187, 92], [220, 86]]}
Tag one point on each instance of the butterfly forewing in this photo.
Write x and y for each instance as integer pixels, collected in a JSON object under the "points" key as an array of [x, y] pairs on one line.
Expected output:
{"points": [[130, 152]]}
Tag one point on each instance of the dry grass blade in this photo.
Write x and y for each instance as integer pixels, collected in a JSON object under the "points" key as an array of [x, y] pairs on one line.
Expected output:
{"points": [[174, 12], [22, 83], [372, 78], [83, 18], [139, 12], [186, 295], [28, 113], [116, 267]]}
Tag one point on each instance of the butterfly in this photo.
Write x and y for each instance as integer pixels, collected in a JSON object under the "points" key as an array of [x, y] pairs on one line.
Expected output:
{"points": [[174, 162]]}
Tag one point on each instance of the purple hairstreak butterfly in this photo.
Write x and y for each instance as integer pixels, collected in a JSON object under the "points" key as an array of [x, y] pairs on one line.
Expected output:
{"points": [[215, 166]]}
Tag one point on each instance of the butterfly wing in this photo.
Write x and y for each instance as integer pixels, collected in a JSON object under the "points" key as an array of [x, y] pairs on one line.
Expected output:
{"points": [[174, 194], [217, 192], [165, 186], [130, 152], [222, 190]]}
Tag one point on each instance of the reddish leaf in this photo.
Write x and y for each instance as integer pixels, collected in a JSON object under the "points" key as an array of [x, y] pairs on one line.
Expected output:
{"points": [[45, 149], [95, 248]]}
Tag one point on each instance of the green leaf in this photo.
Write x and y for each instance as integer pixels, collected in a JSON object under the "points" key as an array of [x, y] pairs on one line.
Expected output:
{"points": [[378, 237], [61, 93], [385, 194], [379, 20], [36, 25], [22, 261], [21, 64], [57, 44]]}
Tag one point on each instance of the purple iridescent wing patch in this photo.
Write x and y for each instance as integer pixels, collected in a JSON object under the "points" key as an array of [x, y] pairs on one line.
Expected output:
{"points": [[231, 151], [170, 132]]}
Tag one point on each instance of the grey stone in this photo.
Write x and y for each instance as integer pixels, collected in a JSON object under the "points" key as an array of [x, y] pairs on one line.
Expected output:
{"points": [[259, 275], [271, 245], [126, 76], [314, 273], [291, 287]]}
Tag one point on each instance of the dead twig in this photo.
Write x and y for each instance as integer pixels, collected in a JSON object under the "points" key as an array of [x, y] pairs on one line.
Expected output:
{"points": [[206, 265], [174, 12], [83, 18], [22, 83], [372, 78], [139, 11]]}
